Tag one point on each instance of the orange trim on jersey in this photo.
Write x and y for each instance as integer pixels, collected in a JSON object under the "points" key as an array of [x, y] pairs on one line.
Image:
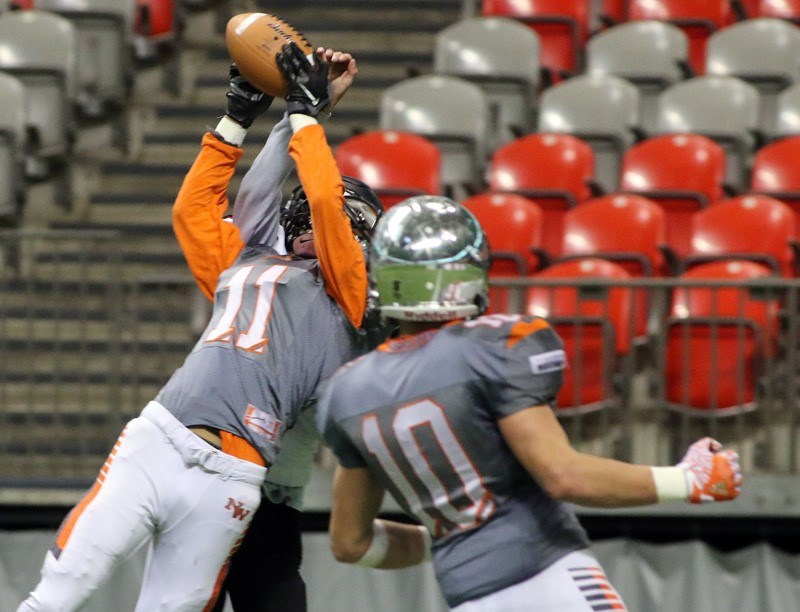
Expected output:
{"points": [[209, 243], [338, 252], [525, 328], [65, 531], [240, 448]]}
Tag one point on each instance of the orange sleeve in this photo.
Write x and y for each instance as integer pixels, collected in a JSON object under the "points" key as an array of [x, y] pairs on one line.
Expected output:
{"points": [[209, 243], [338, 252]]}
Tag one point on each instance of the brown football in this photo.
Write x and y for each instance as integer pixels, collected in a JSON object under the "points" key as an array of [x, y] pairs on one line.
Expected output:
{"points": [[253, 39]]}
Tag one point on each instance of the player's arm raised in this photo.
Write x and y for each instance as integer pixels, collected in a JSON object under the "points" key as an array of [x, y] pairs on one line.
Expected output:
{"points": [[358, 537], [340, 257], [535, 436]]}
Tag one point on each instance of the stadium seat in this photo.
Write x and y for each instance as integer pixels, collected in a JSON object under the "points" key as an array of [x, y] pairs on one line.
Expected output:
{"points": [[650, 54], [594, 325], [750, 227], [501, 56], [561, 25], [787, 113], [698, 19], [682, 173], [602, 110], [397, 165], [723, 108], [610, 12], [776, 173], [157, 28], [783, 9], [555, 170], [765, 52], [39, 49], [104, 45], [715, 341], [424, 105], [12, 150], [513, 225], [627, 229]]}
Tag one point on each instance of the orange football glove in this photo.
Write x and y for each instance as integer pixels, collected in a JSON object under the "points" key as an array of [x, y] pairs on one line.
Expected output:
{"points": [[713, 474]]}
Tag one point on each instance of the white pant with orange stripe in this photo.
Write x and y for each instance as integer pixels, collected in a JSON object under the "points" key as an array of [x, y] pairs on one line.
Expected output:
{"points": [[574, 583], [164, 486]]}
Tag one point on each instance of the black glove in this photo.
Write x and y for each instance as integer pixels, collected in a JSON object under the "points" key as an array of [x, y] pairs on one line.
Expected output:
{"points": [[245, 102], [306, 81]]}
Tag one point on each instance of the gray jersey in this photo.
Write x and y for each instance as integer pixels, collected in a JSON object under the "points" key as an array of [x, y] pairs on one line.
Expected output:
{"points": [[421, 413]]}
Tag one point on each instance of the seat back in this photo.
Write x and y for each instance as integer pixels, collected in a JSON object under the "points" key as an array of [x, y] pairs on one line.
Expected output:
{"points": [[783, 9], [753, 227], [39, 49], [776, 173], [513, 225], [650, 54], [601, 109], [682, 173], [104, 38], [698, 19], [424, 105], [555, 170], [501, 56], [723, 108], [397, 165], [594, 326], [764, 52], [12, 148], [715, 339], [562, 27]]}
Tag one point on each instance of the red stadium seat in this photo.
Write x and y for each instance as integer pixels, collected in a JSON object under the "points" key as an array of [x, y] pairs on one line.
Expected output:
{"points": [[613, 11], [627, 229], [776, 173], [397, 165], [555, 170], [156, 27], [715, 341], [593, 325], [513, 225], [752, 227], [782, 9], [698, 19], [561, 25], [683, 173]]}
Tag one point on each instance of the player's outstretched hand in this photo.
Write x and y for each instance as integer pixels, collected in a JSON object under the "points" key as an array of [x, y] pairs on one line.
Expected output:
{"points": [[342, 71], [245, 102], [712, 473], [306, 81]]}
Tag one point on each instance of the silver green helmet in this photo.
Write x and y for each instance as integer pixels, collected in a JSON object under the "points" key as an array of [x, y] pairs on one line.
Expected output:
{"points": [[429, 261]]}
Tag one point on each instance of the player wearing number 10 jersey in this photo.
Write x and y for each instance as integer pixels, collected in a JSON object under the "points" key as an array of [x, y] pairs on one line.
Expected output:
{"points": [[454, 418]]}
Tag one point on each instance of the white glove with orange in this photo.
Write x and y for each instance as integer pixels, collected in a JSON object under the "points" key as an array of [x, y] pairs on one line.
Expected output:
{"points": [[707, 473]]}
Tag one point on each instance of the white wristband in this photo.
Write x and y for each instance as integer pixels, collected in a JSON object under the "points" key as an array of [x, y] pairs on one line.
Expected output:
{"points": [[232, 132], [671, 483], [299, 121], [378, 548], [427, 541]]}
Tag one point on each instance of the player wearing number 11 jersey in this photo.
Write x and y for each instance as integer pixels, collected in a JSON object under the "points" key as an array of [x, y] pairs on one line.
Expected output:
{"points": [[454, 418]]}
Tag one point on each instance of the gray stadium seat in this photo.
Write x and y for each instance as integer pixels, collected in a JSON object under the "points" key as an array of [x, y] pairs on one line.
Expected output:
{"points": [[104, 51], [12, 149], [787, 113], [500, 55], [764, 52], [449, 111], [601, 109], [39, 49], [723, 108], [650, 54]]}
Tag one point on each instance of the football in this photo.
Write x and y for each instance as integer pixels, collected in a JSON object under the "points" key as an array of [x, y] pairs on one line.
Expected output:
{"points": [[253, 39]]}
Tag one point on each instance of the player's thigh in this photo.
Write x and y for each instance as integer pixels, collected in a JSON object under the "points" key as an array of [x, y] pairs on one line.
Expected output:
{"points": [[112, 520], [190, 555], [575, 583]]}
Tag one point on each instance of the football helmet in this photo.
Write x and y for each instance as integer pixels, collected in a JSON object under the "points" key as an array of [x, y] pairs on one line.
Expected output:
{"points": [[362, 206], [429, 261]]}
